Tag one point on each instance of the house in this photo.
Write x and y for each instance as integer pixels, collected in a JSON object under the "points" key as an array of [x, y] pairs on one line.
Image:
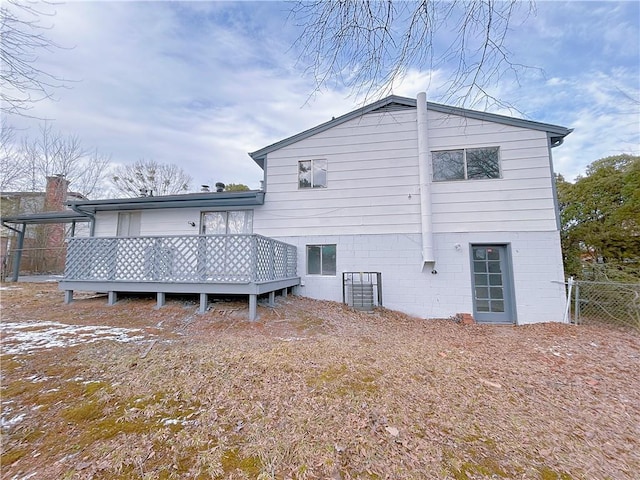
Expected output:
{"points": [[43, 248], [450, 210]]}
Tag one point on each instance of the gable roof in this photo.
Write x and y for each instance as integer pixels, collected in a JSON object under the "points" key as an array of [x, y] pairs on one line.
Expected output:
{"points": [[395, 103]]}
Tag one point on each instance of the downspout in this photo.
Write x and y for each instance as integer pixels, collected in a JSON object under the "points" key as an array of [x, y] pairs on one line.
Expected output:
{"points": [[92, 228], [425, 181]]}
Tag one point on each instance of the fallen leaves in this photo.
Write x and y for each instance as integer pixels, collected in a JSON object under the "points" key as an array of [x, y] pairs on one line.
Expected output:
{"points": [[315, 390]]}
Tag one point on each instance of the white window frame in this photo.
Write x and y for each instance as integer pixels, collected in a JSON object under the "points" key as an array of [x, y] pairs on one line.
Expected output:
{"points": [[312, 163], [465, 164], [321, 247]]}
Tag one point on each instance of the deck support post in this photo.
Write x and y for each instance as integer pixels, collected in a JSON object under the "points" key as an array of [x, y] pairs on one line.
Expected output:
{"points": [[112, 298], [68, 296], [203, 303], [284, 292], [161, 297], [272, 299], [253, 307]]}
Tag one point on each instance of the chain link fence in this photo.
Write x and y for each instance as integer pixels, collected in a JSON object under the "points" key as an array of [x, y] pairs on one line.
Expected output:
{"points": [[605, 302]]}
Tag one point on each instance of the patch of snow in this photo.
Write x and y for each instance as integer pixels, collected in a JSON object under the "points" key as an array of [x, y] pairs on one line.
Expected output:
{"points": [[26, 337], [26, 477], [10, 422], [10, 288]]}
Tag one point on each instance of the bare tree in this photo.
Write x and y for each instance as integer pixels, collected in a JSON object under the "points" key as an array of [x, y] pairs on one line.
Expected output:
{"points": [[53, 153], [369, 46], [12, 171], [148, 177], [22, 39]]}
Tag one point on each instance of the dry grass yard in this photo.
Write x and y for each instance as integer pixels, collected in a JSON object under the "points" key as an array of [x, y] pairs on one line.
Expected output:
{"points": [[313, 390]]}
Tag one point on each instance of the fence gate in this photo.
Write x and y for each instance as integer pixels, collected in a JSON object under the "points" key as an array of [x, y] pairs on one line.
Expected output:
{"points": [[606, 302]]}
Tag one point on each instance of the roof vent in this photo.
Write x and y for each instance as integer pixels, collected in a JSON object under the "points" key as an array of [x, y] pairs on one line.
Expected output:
{"points": [[220, 187], [205, 188]]}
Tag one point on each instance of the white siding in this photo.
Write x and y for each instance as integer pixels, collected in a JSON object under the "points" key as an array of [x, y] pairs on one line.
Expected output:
{"points": [[522, 200], [373, 180], [169, 221]]}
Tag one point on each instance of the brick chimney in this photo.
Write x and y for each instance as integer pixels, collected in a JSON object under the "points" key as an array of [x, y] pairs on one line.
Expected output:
{"points": [[54, 198], [56, 193]]}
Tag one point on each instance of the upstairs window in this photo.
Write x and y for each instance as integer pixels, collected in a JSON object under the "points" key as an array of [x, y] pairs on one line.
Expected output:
{"points": [[466, 164], [312, 174], [230, 222]]}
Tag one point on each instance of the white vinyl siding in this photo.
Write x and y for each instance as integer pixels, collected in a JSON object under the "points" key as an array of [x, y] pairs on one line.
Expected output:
{"points": [[373, 169], [374, 185]]}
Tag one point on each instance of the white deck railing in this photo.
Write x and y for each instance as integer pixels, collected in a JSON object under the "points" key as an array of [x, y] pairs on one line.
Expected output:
{"points": [[180, 259]]}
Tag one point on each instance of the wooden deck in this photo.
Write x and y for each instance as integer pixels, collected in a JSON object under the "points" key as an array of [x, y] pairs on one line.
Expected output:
{"points": [[202, 264]]}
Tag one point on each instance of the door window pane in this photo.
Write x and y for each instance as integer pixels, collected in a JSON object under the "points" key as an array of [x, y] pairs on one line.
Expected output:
{"points": [[482, 292], [494, 267], [480, 253], [480, 279], [128, 224], [497, 306], [495, 279], [214, 223], [240, 222], [232, 222], [479, 267], [496, 292], [482, 305]]}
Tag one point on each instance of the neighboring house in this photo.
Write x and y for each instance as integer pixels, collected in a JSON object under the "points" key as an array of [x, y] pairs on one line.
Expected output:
{"points": [[43, 244], [454, 209]]}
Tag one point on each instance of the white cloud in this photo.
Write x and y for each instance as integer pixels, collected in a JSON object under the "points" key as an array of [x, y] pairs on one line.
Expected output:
{"points": [[200, 84]]}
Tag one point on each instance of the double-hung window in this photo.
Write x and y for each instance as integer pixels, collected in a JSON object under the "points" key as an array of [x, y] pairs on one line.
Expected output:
{"points": [[466, 164], [321, 259], [228, 222], [312, 173]]}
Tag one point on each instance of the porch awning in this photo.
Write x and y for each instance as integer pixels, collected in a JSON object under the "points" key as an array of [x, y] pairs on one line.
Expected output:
{"points": [[189, 200], [67, 216]]}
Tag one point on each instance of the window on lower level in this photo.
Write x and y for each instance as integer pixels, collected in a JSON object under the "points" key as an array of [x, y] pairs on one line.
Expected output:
{"points": [[228, 222], [321, 259], [312, 174], [466, 164]]}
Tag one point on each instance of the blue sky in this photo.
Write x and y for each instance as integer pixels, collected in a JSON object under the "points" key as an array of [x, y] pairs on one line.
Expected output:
{"points": [[200, 84]]}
